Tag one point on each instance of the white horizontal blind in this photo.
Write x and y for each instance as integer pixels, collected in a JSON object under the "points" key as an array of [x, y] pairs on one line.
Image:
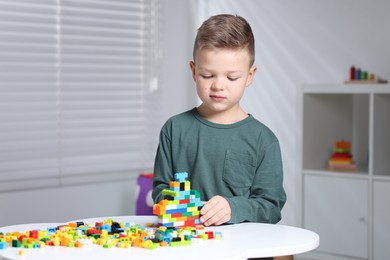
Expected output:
{"points": [[74, 84]]}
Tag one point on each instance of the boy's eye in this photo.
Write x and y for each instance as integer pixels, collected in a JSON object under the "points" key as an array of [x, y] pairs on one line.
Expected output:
{"points": [[206, 76], [232, 79]]}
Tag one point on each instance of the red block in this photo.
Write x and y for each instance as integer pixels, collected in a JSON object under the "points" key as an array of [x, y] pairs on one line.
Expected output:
{"points": [[177, 215], [189, 223], [210, 234], [184, 201], [34, 233], [21, 238], [93, 232]]}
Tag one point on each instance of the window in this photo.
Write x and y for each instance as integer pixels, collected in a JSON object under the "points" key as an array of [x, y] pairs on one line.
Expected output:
{"points": [[78, 94]]}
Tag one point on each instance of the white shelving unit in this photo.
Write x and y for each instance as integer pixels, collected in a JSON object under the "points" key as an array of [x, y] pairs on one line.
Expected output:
{"points": [[349, 210]]}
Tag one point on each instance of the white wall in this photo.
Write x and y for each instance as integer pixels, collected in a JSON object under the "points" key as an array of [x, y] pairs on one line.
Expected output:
{"points": [[62, 204], [177, 89]]}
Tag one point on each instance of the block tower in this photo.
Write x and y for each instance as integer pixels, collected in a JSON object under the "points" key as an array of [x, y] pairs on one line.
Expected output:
{"points": [[180, 206], [341, 159]]}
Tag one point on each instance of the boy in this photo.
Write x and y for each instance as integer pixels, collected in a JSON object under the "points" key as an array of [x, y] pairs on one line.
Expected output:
{"points": [[232, 159]]}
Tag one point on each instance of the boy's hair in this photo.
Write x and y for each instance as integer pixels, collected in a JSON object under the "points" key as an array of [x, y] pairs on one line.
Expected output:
{"points": [[225, 31]]}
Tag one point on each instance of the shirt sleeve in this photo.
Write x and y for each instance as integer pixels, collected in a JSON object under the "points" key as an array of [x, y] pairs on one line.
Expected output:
{"points": [[267, 195], [163, 172]]}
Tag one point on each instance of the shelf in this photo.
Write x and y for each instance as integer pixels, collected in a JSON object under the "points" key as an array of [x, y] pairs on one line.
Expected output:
{"points": [[346, 88], [328, 118], [358, 113], [382, 178], [381, 135], [358, 175]]}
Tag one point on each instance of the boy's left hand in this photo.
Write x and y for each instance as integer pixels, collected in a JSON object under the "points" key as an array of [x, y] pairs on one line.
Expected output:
{"points": [[216, 211]]}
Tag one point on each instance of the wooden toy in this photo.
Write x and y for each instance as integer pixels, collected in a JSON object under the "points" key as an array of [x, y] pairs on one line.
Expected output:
{"points": [[341, 159], [358, 76]]}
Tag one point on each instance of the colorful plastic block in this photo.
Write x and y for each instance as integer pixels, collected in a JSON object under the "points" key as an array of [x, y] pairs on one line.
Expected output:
{"points": [[181, 204]]}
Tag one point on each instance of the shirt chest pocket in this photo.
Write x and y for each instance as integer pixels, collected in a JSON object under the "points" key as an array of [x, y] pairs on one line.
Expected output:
{"points": [[239, 169]]}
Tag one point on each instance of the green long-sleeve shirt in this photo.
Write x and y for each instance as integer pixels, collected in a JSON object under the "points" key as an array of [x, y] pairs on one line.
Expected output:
{"points": [[241, 162]]}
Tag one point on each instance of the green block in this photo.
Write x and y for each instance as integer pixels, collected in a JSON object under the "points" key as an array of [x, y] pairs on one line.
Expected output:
{"points": [[204, 236], [44, 239], [16, 243], [196, 193], [109, 220], [180, 243], [170, 193], [25, 241], [134, 230], [154, 246]]}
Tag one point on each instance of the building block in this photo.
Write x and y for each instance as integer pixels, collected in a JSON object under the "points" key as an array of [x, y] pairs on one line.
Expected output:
{"points": [[178, 225], [3, 245], [181, 206]]}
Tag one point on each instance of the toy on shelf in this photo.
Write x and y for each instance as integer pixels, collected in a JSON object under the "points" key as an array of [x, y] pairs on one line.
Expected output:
{"points": [[181, 205], [341, 159], [359, 76]]}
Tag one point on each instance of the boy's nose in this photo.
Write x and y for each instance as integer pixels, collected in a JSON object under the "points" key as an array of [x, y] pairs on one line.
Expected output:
{"points": [[217, 85]]}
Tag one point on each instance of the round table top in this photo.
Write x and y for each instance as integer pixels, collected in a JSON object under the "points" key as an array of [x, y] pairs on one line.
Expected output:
{"points": [[239, 241]]}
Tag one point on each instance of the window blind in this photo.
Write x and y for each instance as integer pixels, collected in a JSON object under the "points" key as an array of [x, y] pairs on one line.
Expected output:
{"points": [[76, 82]]}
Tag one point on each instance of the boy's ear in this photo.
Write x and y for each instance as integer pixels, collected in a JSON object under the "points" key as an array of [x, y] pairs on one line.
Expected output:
{"points": [[192, 67], [251, 75]]}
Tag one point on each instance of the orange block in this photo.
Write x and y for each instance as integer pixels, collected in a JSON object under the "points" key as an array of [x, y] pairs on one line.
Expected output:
{"points": [[158, 209], [163, 243], [343, 144], [78, 244], [72, 225], [65, 241], [174, 184], [163, 202], [137, 242]]}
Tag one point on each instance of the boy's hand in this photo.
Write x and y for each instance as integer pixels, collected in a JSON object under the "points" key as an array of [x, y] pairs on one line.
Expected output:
{"points": [[216, 211]]}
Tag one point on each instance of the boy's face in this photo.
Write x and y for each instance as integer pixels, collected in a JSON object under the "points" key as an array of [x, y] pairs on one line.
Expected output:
{"points": [[221, 76]]}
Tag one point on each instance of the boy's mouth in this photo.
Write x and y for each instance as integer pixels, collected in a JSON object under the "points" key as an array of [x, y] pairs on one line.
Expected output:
{"points": [[217, 98]]}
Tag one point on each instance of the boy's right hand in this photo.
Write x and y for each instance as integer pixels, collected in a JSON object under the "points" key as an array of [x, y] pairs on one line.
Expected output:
{"points": [[216, 211]]}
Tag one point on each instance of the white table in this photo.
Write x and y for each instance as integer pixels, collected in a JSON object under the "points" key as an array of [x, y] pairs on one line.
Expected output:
{"points": [[239, 241]]}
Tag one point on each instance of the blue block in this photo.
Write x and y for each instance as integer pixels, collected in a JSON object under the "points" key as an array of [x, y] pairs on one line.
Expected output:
{"points": [[167, 224], [3, 245], [182, 206], [173, 211], [106, 227], [181, 176], [51, 230]]}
